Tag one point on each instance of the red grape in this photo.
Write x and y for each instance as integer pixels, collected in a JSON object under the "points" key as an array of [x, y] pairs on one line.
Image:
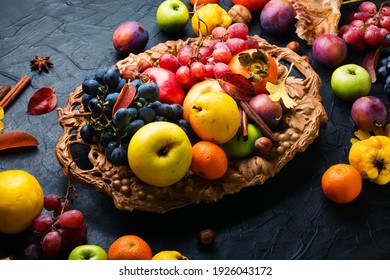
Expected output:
{"points": [[222, 55], [252, 43], [236, 45], [221, 69], [42, 223], [183, 75], [238, 30], [352, 35], [64, 206], [372, 35], [169, 61], [204, 54], [51, 202], [31, 252], [219, 32], [71, 219], [384, 22], [51, 243], [209, 71], [385, 11], [367, 7], [185, 54], [197, 69]]}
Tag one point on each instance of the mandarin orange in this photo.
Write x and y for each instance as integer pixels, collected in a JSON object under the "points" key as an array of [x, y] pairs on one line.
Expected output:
{"points": [[130, 247]]}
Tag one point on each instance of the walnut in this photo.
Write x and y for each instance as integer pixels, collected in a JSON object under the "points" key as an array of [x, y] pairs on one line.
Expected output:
{"points": [[240, 13]]}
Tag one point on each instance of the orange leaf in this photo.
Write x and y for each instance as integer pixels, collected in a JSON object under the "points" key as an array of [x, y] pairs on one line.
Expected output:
{"points": [[125, 98], [16, 139]]}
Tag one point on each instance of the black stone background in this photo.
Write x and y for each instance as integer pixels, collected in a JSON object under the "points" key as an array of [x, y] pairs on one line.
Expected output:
{"points": [[288, 217]]}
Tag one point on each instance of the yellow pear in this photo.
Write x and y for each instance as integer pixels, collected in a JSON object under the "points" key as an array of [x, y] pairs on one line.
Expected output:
{"points": [[215, 117]]}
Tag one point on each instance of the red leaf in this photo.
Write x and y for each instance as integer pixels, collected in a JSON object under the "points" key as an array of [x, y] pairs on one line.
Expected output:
{"points": [[370, 62], [237, 86], [125, 98], [42, 101], [16, 139]]}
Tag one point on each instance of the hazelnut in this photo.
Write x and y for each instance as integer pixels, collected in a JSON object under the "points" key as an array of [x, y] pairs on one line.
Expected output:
{"points": [[241, 14], [207, 236], [294, 46], [131, 72]]}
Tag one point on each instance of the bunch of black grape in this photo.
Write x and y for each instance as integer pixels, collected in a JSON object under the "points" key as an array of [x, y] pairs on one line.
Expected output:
{"points": [[114, 129], [383, 68]]}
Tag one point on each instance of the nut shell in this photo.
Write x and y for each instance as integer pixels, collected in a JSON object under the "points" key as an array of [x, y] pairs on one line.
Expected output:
{"points": [[240, 14]]}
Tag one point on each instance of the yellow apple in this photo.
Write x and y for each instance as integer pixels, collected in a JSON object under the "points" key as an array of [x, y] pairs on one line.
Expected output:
{"points": [[215, 117], [169, 255], [160, 153]]}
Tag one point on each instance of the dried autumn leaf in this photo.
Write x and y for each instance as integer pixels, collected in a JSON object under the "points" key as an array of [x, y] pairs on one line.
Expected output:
{"points": [[316, 17], [278, 91], [237, 86], [42, 101], [125, 98], [370, 62], [17, 139]]}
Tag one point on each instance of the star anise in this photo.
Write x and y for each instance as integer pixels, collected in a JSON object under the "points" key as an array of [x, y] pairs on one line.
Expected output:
{"points": [[41, 63]]}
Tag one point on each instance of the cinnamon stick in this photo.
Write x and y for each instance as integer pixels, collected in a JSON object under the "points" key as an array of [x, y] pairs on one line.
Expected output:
{"points": [[4, 90], [244, 125], [15, 91], [258, 121]]}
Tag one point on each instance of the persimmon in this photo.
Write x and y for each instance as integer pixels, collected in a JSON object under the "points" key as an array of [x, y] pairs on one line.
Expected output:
{"points": [[256, 65]]}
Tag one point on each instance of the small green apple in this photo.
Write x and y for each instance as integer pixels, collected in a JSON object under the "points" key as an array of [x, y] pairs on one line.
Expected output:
{"points": [[172, 16], [160, 153], [88, 252], [237, 148], [350, 81]]}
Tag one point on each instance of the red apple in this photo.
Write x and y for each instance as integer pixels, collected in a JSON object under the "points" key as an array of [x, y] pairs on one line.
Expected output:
{"points": [[270, 111], [369, 113], [171, 91], [130, 37]]}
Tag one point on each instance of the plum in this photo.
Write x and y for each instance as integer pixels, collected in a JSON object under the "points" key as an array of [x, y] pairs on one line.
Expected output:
{"points": [[330, 50], [277, 16], [271, 112], [130, 37], [369, 113]]}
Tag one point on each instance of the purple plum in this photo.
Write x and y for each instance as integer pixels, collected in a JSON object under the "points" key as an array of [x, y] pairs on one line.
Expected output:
{"points": [[271, 112], [130, 37], [277, 16], [369, 113], [330, 50]]}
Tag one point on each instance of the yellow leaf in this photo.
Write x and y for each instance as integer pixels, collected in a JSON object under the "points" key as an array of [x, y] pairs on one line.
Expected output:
{"points": [[278, 91], [1, 117]]}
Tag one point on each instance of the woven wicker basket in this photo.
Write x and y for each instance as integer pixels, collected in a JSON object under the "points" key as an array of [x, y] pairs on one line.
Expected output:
{"points": [[300, 126]]}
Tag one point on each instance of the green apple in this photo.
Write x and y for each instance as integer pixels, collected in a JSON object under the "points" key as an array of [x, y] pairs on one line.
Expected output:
{"points": [[172, 16], [350, 81], [88, 252], [160, 153], [238, 148]]}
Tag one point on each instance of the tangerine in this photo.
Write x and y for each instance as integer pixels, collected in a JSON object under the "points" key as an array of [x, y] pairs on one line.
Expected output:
{"points": [[341, 183], [21, 200], [130, 247], [209, 160]]}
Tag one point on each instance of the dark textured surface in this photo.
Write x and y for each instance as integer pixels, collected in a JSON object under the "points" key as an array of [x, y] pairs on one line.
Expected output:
{"points": [[286, 218]]}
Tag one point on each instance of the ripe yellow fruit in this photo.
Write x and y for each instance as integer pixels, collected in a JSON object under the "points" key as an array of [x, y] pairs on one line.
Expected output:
{"points": [[169, 255], [20, 202], [215, 117]]}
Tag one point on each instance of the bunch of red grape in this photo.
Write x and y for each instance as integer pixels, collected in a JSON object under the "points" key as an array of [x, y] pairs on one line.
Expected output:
{"points": [[367, 27], [57, 230], [210, 60]]}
